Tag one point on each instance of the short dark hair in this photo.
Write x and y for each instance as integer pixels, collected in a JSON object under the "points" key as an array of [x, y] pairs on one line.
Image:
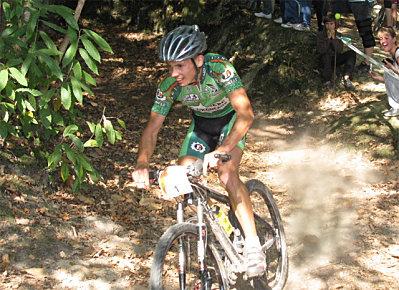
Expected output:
{"points": [[329, 18]]}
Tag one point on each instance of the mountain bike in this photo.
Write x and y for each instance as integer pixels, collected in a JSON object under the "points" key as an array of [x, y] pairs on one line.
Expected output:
{"points": [[200, 252]]}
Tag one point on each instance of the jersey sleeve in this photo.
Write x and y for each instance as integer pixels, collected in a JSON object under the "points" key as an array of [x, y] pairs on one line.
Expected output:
{"points": [[164, 97], [225, 73]]}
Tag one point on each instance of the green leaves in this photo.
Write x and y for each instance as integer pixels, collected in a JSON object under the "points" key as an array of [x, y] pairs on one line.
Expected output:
{"points": [[18, 76], [65, 13], [99, 40], [66, 98], [3, 79], [70, 130], [42, 91], [70, 53], [89, 62], [91, 49]]}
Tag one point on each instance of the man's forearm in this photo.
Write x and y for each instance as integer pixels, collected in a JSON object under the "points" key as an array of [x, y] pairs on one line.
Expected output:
{"points": [[240, 128], [146, 147]]}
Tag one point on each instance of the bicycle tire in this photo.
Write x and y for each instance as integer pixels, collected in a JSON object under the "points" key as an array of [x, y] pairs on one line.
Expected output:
{"points": [[270, 228], [163, 278]]}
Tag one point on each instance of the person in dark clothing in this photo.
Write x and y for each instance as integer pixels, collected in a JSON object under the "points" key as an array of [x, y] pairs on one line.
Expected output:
{"points": [[334, 61], [320, 8]]}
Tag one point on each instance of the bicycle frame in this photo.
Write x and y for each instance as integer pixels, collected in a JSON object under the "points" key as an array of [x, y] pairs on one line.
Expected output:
{"points": [[199, 199]]}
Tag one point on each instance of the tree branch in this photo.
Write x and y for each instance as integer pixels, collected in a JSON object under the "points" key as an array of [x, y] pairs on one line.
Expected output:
{"points": [[78, 11]]}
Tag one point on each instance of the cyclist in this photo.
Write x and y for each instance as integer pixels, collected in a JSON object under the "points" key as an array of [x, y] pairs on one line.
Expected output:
{"points": [[221, 116]]}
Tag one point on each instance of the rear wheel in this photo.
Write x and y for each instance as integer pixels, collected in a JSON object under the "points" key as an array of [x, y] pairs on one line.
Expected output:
{"points": [[271, 234], [165, 267]]}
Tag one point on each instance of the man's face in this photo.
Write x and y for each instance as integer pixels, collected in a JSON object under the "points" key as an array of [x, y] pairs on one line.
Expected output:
{"points": [[184, 71]]}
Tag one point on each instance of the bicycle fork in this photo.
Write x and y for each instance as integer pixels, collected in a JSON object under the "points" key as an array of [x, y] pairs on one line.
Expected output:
{"points": [[205, 278], [182, 252]]}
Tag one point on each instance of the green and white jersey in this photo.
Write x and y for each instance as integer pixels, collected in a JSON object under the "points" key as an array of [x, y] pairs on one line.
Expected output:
{"points": [[209, 98]]}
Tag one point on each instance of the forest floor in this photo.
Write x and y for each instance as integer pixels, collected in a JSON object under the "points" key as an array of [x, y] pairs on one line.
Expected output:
{"points": [[340, 205]]}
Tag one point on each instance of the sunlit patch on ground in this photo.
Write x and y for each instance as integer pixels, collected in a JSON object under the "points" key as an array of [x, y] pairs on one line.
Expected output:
{"points": [[320, 189]]}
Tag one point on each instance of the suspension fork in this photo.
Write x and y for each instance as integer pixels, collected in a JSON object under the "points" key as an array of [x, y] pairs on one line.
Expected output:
{"points": [[183, 257], [182, 251], [206, 280]]}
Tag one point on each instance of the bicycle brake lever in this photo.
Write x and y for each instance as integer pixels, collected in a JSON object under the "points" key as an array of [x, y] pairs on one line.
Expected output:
{"points": [[223, 157], [153, 176]]}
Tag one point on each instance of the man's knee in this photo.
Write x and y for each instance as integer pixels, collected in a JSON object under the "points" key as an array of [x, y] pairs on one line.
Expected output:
{"points": [[366, 32], [228, 176]]}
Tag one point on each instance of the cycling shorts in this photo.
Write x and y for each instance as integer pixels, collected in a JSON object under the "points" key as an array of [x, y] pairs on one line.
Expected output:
{"points": [[205, 134]]}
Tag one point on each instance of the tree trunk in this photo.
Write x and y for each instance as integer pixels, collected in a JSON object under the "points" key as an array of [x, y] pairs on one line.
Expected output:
{"points": [[66, 40]]}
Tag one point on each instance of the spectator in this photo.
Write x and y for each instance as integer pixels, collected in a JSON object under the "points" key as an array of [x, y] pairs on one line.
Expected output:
{"points": [[297, 15], [394, 13], [361, 10], [387, 37], [390, 12], [267, 11], [305, 16], [320, 8], [290, 14], [281, 4], [330, 49]]}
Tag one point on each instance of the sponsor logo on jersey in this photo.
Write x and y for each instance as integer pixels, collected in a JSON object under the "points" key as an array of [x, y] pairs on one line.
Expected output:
{"points": [[211, 89], [160, 96], [212, 108], [191, 98], [196, 146], [227, 75], [231, 81]]}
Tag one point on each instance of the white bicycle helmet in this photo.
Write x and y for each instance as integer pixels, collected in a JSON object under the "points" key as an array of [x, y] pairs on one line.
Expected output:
{"points": [[182, 43]]}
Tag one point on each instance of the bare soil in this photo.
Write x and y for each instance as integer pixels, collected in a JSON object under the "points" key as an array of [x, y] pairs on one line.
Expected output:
{"points": [[339, 204]]}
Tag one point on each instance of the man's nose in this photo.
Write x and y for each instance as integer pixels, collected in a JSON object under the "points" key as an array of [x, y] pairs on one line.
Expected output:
{"points": [[174, 72]]}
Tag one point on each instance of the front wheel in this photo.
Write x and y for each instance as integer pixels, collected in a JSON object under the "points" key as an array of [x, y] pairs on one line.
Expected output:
{"points": [[177, 250], [271, 233]]}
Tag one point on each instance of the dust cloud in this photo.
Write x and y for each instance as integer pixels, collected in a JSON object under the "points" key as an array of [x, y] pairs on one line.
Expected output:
{"points": [[321, 186]]}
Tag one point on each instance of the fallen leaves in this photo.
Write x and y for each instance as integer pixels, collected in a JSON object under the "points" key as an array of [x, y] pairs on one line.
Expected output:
{"points": [[5, 262], [150, 203], [22, 221]]}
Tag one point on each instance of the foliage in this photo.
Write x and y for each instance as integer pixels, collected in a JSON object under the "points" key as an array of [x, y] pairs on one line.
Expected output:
{"points": [[42, 89]]}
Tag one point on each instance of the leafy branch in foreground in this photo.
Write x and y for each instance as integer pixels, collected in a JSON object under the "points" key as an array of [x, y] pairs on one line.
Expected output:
{"points": [[42, 89]]}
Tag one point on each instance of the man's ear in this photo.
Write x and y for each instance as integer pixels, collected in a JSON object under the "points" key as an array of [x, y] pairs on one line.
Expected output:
{"points": [[199, 60]]}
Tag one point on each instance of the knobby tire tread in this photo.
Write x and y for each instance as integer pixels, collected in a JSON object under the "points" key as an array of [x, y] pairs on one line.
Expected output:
{"points": [[164, 243], [255, 185]]}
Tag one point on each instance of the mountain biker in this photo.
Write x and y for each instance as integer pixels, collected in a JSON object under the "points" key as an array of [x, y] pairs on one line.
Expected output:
{"points": [[221, 116]]}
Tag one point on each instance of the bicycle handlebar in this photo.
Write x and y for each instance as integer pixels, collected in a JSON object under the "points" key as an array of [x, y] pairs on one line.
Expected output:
{"points": [[223, 157], [194, 169]]}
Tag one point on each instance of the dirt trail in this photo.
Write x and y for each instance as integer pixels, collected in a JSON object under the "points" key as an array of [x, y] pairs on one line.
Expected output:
{"points": [[341, 215], [341, 210]]}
